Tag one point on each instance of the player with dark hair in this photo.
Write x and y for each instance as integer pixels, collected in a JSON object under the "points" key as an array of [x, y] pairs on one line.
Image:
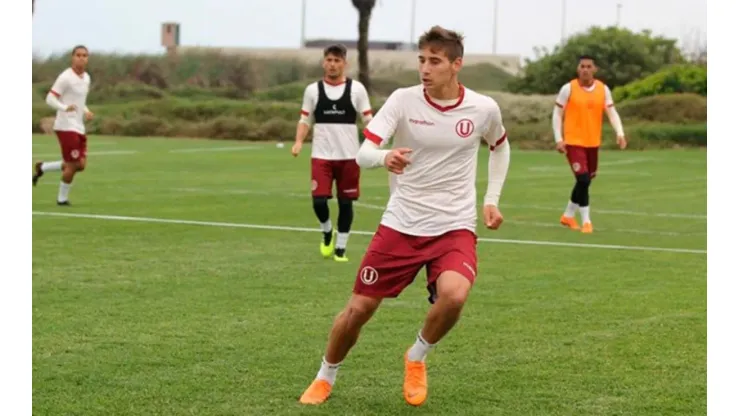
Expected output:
{"points": [[331, 105], [430, 221], [577, 124], [68, 96]]}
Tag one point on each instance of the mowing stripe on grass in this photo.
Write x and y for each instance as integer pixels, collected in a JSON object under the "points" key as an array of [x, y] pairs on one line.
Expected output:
{"points": [[315, 230]]}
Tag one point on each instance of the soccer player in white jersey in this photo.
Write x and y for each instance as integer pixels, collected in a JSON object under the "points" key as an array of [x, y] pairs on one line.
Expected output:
{"points": [[331, 105], [430, 221], [68, 96]]}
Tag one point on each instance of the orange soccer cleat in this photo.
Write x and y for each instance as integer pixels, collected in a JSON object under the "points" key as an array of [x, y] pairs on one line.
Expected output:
{"points": [[587, 228], [415, 382], [569, 222], [318, 392]]}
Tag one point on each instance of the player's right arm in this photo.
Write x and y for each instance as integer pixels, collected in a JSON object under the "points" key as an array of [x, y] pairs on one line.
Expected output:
{"points": [[557, 116], [310, 95], [52, 98], [377, 134]]}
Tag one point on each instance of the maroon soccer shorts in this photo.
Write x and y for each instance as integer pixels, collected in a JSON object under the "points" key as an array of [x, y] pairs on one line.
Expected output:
{"points": [[393, 260], [345, 172], [73, 144], [583, 159]]}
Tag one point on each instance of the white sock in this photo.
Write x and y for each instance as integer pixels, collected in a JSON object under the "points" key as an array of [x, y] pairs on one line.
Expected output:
{"points": [[326, 226], [419, 350], [328, 371], [51, 166], [570, 210], [342, 239], [63, 191], [585, 216]]}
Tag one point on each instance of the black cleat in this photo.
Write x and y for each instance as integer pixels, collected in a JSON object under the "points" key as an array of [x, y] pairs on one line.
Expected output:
{"points": [[39, 173], [63, 203]]}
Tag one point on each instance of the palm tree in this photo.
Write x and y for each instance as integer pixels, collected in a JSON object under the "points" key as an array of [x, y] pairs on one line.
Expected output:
{"points": [[364, 9]]}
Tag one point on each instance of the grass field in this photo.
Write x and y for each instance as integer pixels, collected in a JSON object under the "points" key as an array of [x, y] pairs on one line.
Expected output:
{"points": [[186, 280]]}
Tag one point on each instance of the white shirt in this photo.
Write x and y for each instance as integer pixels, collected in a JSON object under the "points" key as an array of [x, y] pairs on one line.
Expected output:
{"points": [[436, 193], [335, 141], [70, 88]]}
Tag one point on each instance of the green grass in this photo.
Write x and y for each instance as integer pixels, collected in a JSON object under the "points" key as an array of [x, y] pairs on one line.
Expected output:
{"points": [[147, 318]]}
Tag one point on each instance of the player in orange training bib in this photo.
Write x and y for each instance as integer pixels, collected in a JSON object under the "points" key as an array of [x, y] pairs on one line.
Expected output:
{"points": [[577, 124]]}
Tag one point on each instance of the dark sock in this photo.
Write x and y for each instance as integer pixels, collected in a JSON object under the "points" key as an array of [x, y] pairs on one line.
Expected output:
{"points": [[321, 209], [344, 222]]}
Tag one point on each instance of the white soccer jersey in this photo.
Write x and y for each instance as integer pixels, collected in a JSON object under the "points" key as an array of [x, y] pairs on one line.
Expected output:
{"points": [[436, 193], [335, 141], [71, 88]]}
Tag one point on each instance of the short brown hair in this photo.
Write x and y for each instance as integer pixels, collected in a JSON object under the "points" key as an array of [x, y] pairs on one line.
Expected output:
{"points": [[440, 38], [336, 49], [74, 50]]}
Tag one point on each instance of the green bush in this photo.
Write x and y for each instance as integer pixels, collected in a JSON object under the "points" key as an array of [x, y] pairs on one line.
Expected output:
{"points": [[671, 80], [642, 136], [208, 69], [292, 92], [668, 108]]}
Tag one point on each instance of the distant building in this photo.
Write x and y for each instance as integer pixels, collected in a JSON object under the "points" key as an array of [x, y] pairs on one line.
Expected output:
{"points": [[373, 45]]}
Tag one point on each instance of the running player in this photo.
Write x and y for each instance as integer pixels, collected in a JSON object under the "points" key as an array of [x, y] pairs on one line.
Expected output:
{"points": [[68, 96]]}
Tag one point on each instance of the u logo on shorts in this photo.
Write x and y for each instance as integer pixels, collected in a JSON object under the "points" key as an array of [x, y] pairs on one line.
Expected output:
{"points": [[368, 275]]}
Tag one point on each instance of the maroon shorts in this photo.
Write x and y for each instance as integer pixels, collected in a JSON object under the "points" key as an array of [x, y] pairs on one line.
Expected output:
{"points": [[583, 159], [393, 260], [345, 172], [73, 144]]}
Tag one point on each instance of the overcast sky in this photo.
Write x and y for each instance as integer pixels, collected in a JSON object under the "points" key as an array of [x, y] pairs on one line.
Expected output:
{"points": [[134, 25]]}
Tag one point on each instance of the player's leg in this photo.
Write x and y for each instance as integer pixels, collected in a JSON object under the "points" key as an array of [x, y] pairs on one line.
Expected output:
{"points": [[450, 277], [592, 157], [74, 153], [344, 334], [578, 162], [42, 167], [390, 264], [321, 179], [347, 173]]}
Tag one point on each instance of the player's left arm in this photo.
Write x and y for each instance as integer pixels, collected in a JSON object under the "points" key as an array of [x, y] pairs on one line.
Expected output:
{"points": [[614, 119], [498, 168], [361, 102], [88, 114]]}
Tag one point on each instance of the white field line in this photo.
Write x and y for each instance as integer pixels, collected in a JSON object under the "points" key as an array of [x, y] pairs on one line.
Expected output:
{"points": [[534, 207], [367, 233], [553, 225]]}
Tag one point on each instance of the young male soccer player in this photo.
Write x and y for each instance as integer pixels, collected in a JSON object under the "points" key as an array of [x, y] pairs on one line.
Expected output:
{"points": [[68, 96], [331, 105], [583, 102], [430, 220]]}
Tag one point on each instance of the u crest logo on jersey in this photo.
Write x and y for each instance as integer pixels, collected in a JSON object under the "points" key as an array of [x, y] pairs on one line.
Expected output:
{"points": [[464, 128]]}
